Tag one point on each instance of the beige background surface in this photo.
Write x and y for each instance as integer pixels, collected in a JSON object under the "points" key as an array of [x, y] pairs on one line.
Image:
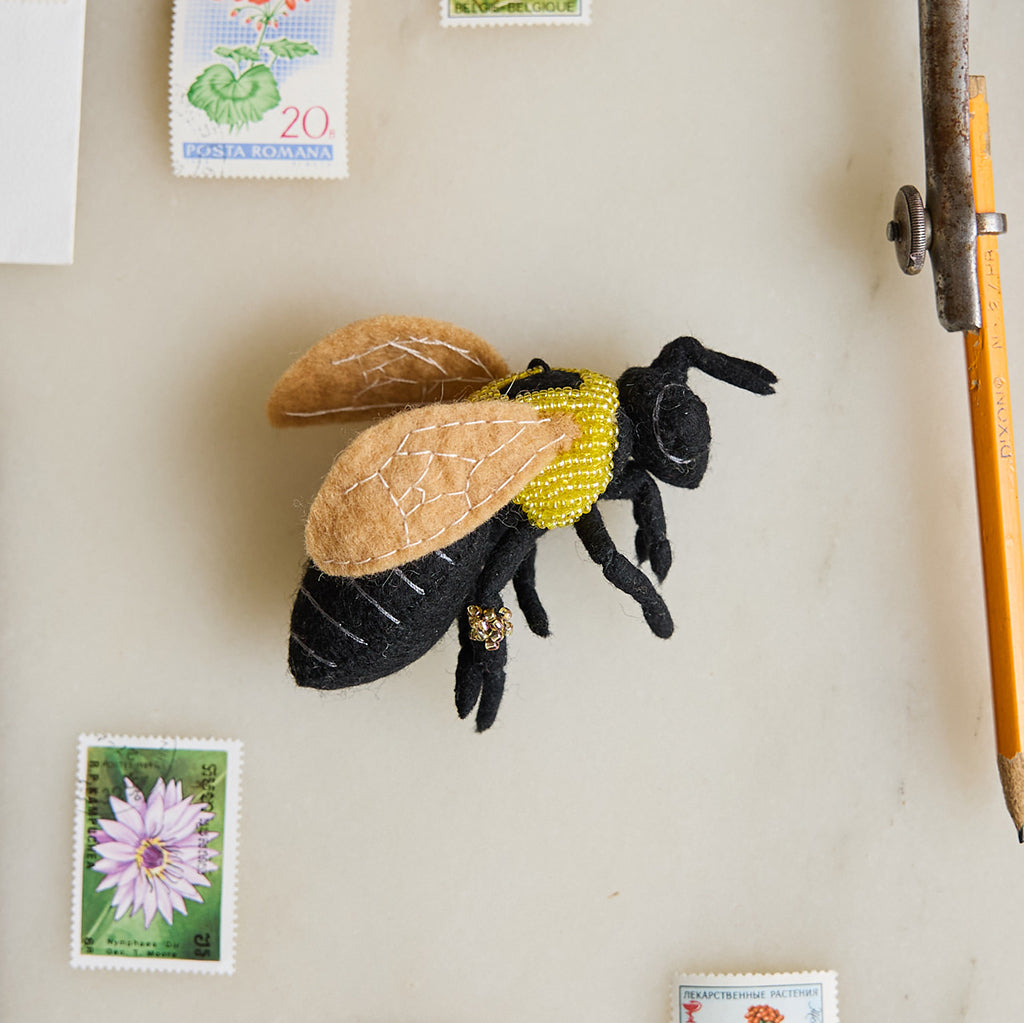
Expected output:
{"points": [[803, 777]]}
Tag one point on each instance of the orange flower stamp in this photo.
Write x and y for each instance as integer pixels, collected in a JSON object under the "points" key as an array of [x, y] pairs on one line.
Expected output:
{"points": [[755, 998]]}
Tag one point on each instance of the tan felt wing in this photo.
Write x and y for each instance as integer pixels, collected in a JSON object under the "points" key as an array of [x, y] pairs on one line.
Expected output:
{"points": [[380, 366], [423, 479]]}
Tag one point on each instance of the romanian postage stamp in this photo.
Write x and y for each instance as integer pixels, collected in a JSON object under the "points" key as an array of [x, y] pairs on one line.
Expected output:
{"points": [[258, 88], [755, 998], [515, 12], [156, 840]]}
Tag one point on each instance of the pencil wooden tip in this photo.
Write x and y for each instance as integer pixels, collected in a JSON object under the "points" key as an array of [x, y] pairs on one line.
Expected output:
{"points": [[1011, 774]]}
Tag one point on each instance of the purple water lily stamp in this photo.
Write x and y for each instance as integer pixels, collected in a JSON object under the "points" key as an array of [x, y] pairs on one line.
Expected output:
{"points": [[258, 88], [156, 838], [755, 998]]}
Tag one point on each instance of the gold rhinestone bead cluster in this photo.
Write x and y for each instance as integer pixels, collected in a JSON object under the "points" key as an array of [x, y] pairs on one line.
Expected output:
{"points": [[489, 626], [567, 489]]}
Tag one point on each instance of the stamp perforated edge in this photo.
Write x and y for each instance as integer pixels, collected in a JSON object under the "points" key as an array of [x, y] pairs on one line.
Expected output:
{"points": [[491, 21], [828, 979], [229, 857]]}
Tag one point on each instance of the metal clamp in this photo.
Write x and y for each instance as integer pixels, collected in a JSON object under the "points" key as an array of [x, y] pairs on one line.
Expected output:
{"points": [[945, 223], [910, 229]]}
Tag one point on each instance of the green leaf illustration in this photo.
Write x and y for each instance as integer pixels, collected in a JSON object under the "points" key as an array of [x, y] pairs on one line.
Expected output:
{"points": [[290, 48], [234, 101], [237, 53]]}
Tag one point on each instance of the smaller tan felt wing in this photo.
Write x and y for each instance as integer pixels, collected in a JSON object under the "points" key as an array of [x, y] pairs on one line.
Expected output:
{"points": [[423, 479], [382, 365]]}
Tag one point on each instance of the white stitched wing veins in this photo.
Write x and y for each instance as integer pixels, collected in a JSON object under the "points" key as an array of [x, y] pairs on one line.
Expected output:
{"points": [[437, 482], [385, 365]]}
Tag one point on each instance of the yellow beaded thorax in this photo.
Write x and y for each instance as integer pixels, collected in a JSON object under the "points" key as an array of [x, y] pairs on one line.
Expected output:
{"points": [[567, 489]]}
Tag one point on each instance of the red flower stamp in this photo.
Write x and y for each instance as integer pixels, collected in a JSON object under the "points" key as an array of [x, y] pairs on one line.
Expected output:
{"points": [[258, 88]]}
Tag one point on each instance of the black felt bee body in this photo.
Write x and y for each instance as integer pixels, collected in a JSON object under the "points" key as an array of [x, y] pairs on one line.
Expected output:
{"points": [[428, 516]]}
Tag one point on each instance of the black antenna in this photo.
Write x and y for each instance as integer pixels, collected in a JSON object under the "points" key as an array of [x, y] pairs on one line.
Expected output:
{"points": [[688, 352]]}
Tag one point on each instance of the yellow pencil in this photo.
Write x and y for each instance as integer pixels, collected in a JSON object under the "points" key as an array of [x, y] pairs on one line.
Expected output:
{"points": [[996, 478]]}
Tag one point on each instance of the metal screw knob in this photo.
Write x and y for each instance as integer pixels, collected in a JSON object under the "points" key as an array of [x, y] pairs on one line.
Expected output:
{"points": [[910, 229]]}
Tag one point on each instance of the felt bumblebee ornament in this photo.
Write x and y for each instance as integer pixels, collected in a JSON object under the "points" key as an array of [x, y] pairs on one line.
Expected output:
{"points": [[428, 515]]}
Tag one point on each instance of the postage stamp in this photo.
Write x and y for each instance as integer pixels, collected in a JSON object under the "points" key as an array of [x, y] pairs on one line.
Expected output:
{"points": [[259, 88], [156, 845], [755, 998], [515, 12]]}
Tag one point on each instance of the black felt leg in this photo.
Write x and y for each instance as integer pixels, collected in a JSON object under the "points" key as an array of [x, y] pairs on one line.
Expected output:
{"points": [[636, 485], [525, 583], [480, 673], [493, 688], [515, 546], [622, 574], [651, 533], [469, 675]]}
